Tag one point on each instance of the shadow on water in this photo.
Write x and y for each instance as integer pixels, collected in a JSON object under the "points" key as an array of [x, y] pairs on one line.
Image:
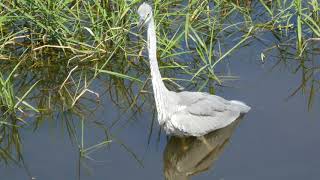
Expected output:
{"points": [[186, 157]]}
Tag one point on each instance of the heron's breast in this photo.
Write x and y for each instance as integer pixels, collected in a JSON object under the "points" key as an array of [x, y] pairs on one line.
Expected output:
{"points": [[165, 114]]}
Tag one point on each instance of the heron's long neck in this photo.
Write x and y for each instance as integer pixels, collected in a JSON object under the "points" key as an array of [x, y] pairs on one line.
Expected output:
{"points": [[159, 89]]}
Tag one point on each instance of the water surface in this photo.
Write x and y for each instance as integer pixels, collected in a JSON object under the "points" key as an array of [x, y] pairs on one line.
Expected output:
{"points": [[278, 139]]}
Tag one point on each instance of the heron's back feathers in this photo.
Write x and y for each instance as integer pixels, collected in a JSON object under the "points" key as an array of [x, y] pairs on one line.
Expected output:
{"points": [[200, 113]]}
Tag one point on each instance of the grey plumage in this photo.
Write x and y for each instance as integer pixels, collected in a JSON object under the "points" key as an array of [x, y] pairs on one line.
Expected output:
{"points": [[185, 113]]}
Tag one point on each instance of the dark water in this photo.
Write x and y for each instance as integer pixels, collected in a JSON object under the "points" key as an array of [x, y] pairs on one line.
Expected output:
{"points": [[277, 139]]}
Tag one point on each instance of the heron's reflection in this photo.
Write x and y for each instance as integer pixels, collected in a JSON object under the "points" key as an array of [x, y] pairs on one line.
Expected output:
{"points": [[184, 157]]}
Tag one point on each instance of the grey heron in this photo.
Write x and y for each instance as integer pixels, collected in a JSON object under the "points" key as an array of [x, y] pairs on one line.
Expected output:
{"points": [[185, 113]]}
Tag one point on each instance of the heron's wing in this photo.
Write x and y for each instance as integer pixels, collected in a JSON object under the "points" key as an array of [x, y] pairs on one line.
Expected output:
{"points": [[203, 104], [197, 125], [202, 113]]}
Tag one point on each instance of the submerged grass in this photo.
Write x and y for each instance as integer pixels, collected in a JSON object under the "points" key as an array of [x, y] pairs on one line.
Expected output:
{"points": [[53, 52]]}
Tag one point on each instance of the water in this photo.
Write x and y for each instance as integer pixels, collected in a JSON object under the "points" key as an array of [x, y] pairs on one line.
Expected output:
{"points": [[277, 139]]}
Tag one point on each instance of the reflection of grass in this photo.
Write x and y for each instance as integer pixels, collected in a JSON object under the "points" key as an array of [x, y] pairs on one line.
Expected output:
{"points": [[10, 107], [306, 67]]}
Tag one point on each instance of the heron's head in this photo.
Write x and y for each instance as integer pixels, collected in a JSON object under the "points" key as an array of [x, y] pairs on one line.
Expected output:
{"points": [[145, 14]]}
